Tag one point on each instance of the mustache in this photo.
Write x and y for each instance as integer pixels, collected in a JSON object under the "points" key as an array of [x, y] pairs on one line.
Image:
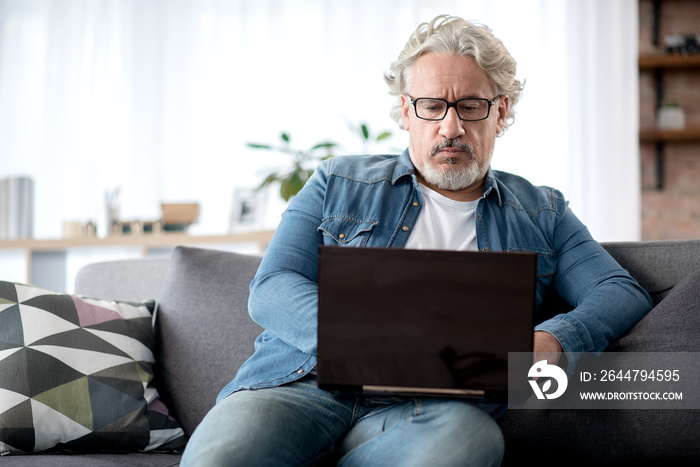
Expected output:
{"points": [[452, 143]]}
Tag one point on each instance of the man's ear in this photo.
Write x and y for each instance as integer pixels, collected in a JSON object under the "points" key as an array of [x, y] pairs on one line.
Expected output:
{"points": [[502, 106], [405, 107]]}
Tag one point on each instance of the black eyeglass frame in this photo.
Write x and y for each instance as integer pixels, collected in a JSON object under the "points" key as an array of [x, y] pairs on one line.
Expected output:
{"points": [[454, 104]]}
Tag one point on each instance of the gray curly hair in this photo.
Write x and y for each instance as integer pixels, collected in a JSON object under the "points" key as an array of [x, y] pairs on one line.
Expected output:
{"points": [[453, 35]]}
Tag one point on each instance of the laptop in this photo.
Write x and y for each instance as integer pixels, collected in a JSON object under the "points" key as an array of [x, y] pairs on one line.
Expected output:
{"points": [[425, 323]]}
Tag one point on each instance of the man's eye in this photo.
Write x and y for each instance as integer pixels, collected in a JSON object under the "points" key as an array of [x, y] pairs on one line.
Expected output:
{"points": [[432, 106], [469, 107], [431, 109]]}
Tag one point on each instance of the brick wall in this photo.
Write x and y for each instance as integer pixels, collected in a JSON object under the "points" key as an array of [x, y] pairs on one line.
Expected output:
{"points": [[674, 211]]}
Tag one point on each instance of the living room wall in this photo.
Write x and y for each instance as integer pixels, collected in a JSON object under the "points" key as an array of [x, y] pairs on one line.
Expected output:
{"points": [[146, 97], [673, 211]]}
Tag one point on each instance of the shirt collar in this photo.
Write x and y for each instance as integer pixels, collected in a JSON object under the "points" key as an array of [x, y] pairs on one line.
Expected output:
{"points": [[490, 186], [403, 167]]}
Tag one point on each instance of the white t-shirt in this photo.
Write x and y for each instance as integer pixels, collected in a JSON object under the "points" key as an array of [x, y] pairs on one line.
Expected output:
{"points": [[444, 224]]}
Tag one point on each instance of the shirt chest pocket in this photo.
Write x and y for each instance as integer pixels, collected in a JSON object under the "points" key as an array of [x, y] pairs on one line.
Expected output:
{"points": [[546, 261], [546, 265], [343, 231]]}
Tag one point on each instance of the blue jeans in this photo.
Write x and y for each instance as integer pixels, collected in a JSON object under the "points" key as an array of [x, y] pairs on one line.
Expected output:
{"points": [[300, 425]]}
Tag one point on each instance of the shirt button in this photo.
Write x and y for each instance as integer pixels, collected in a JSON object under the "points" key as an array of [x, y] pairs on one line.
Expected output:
{"points": [[405, 229], [415, 203], [478, 216], [485, 248], [341, 236], [300, 371]]}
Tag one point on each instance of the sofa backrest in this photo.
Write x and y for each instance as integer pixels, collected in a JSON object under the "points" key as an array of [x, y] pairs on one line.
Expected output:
{"points": [[203, 330], [657, 265], [126, 280]]}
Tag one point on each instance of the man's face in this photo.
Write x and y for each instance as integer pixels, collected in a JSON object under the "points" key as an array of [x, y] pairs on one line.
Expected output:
{"points": [[455, 169]]}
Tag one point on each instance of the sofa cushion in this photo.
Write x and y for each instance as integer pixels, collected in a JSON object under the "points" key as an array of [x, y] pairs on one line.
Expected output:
{"points": [[203, 329], [75, 374], [102, 459], [597, 436]]}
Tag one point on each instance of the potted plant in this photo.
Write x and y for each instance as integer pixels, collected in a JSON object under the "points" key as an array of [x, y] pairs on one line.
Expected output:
{"points": [[293, 181], [304, 161]]}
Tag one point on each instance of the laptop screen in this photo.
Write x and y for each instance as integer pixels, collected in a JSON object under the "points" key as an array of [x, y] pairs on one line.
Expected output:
{"points": [[422, 322]]}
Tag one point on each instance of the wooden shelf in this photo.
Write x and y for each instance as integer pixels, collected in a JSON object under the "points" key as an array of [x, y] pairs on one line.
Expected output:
{"points": [[35, 250], [668, 61], [690, 135], [145, 241]]}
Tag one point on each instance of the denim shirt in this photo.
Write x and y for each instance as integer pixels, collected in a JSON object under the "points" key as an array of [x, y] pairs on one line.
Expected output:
{"points": [[374, 201]]}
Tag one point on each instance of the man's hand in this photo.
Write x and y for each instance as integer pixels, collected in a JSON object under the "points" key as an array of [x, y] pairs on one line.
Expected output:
{"points": [[546, 347]]}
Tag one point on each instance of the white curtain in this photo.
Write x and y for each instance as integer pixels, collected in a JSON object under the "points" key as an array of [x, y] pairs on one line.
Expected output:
{"points": [[159, 97]]}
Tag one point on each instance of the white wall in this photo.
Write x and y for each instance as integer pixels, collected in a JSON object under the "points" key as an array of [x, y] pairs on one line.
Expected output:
{"points": [[159, 97]]}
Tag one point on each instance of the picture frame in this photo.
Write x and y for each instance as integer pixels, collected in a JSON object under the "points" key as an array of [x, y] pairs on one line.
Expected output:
{"points": [[247, 210]]}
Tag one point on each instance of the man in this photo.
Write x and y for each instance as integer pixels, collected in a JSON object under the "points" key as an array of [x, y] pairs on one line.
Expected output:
{"points": [[457, 89]]}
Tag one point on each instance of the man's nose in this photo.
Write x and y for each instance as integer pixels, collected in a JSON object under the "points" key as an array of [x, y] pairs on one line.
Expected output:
{"points": [[451, 126]]}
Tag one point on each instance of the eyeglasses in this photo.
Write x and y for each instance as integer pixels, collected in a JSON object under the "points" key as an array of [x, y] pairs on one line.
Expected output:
{"points": [[471, 109]]}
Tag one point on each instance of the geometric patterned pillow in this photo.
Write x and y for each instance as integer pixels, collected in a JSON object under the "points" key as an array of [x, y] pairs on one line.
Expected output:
{"points": [[75, 374]]}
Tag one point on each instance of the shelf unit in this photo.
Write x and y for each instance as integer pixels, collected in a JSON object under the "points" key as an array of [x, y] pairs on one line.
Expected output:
{"points": [[40, 253], [659, 64]]}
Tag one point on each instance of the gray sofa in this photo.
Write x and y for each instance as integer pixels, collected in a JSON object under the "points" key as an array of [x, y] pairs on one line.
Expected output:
{"points": [[204, 333]]}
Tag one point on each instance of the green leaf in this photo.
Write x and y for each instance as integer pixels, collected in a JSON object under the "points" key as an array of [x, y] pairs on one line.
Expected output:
{"points": [[326, 145], [365, 131], [269, 180], [285, 137], [291, 185], [285, 190], [295, 177], [259, 146], [385, 135]]}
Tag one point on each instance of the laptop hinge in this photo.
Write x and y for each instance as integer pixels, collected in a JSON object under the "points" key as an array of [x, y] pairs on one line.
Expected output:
{"points": [[434, 391]]}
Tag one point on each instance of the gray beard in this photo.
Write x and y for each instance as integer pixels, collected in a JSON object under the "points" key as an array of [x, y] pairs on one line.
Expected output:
{"points": [[450, 177]]}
